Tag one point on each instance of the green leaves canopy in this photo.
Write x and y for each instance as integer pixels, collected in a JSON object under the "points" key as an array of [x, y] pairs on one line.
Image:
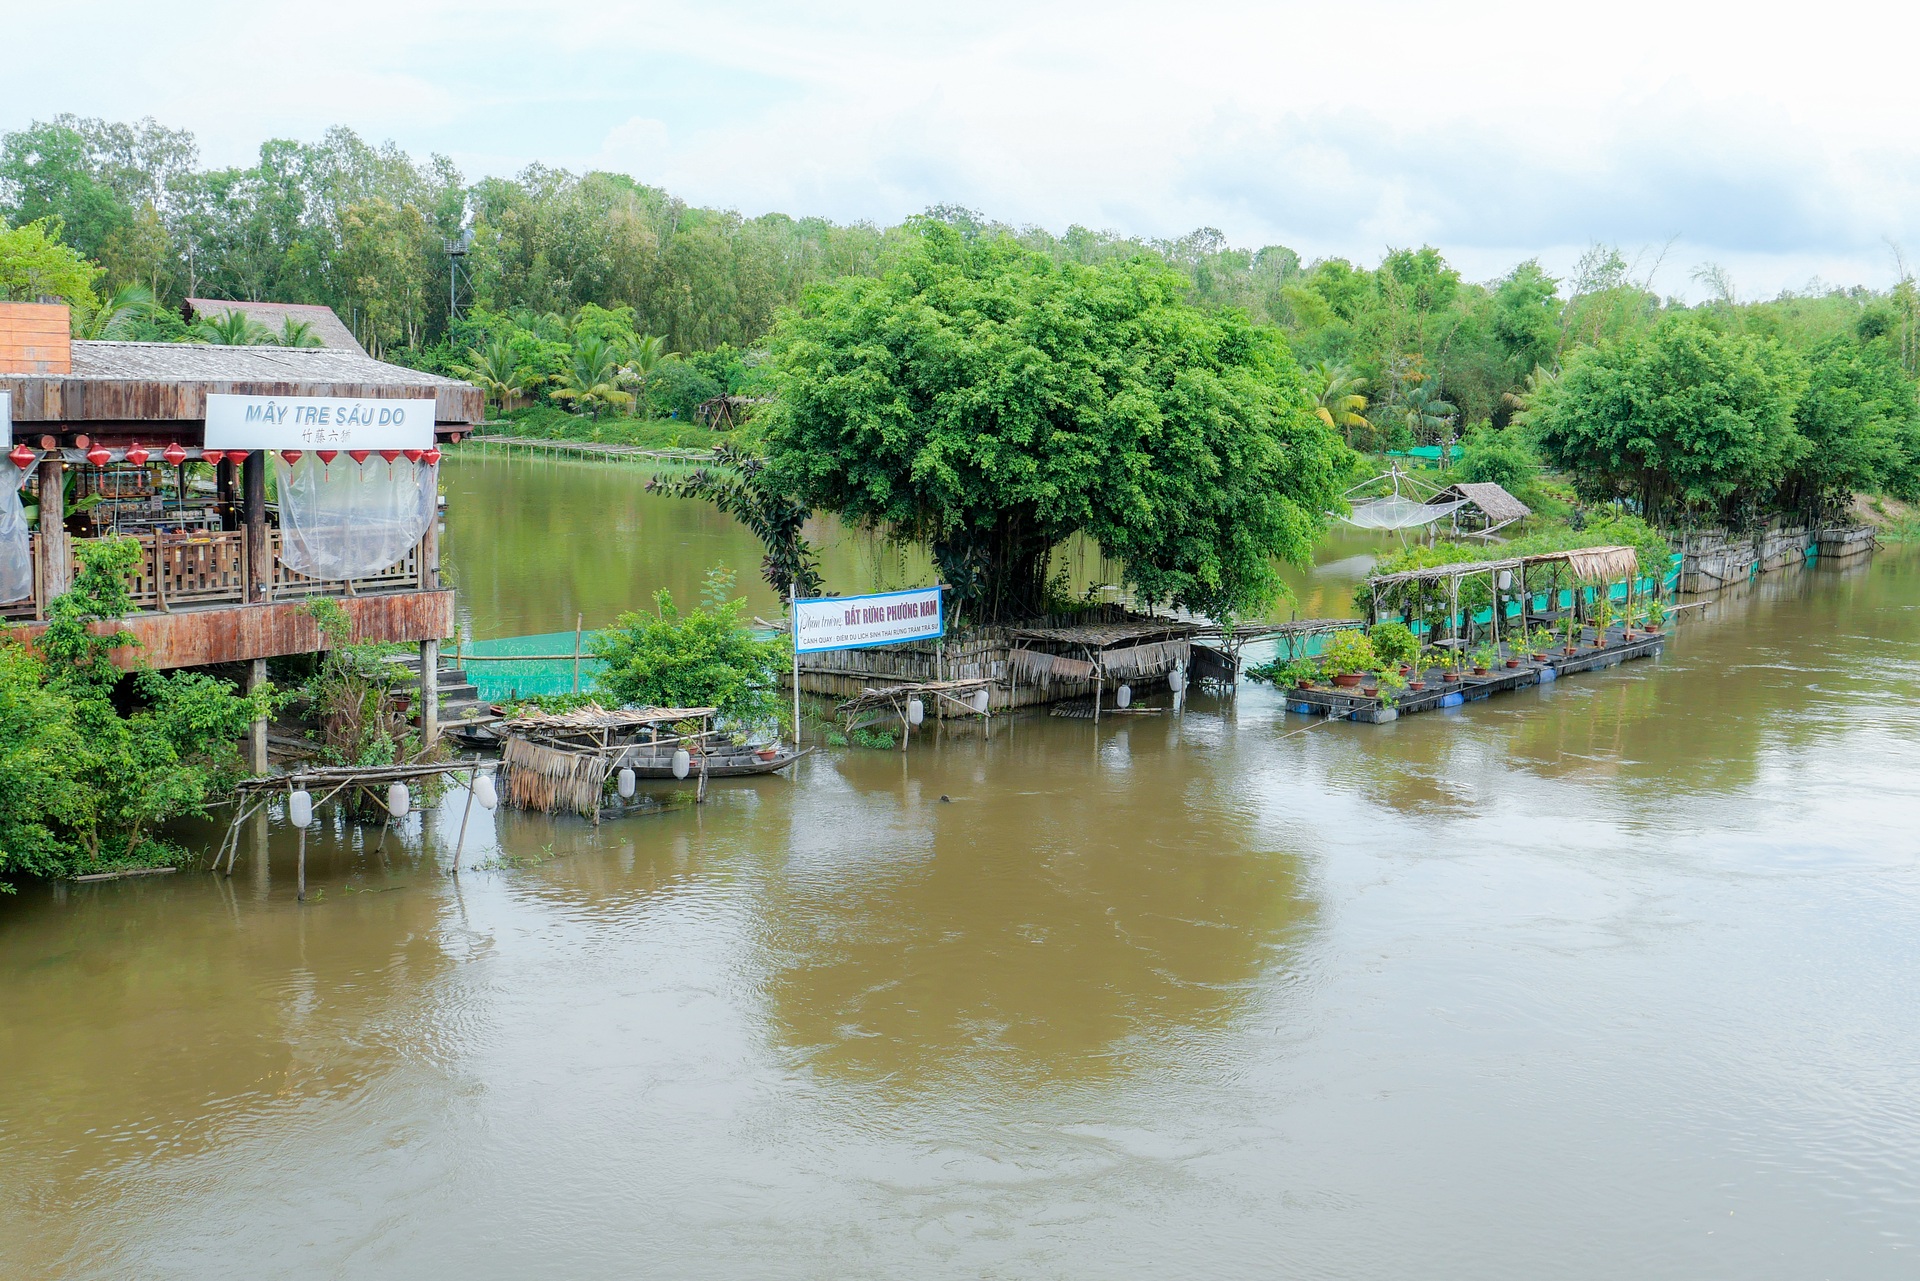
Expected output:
{"points": [[703, 657], [1681, 417], [993, 402]]}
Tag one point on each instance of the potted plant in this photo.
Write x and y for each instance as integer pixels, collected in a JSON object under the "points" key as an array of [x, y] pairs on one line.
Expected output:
{"points": [[1349, 657], [1395, 645], [1603, 615], [1540, 640], [1655, 616], [1485, 659]]}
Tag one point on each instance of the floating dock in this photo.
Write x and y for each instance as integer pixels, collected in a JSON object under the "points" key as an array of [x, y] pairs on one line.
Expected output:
{"points": [[1356, 705]]}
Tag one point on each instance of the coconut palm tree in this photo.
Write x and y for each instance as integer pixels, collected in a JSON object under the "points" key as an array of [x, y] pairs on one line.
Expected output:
{"points": [[1429, 417], [230, 329], [497, 371], [1337, 401], [296, 333], [592, 378], [641, 372], [114, 320]]}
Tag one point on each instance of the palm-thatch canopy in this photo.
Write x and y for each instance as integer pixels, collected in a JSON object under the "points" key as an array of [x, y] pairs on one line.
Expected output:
{"points": [[1500, 506]]}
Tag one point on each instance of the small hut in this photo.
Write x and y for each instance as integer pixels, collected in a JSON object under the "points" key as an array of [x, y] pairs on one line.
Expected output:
{"points": [[1483, 507]]}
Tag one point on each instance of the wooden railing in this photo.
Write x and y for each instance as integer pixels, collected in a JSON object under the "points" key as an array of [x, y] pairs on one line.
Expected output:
{"points": [[193, 569]]}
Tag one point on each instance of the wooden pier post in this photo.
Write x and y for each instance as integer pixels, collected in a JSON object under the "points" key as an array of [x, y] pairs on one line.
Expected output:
{"points": [[429, 693], [257, 732]]}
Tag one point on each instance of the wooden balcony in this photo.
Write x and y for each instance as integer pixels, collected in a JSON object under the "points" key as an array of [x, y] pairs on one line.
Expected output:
{"points": [[197, 600]]}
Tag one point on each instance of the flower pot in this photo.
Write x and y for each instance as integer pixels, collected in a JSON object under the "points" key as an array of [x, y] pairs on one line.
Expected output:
{"points": [[767, 753], [1450, 676], [1347, 680], [1478, 670], [1573, 649], [1406, 670], [1416, 686], [1371, 691], [1539, 658], [1513, 662]]}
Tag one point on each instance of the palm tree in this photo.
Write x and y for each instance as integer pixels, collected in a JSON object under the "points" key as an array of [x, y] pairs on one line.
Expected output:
{"points": [[113, 321], [592, 378], [641, 371], [1337, 401], [230, 329], [1429, 416], [296, 333], [497, 371]]}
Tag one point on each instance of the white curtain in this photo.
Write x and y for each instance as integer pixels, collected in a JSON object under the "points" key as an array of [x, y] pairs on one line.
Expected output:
{"points": [[16, 552], [346, 519]]}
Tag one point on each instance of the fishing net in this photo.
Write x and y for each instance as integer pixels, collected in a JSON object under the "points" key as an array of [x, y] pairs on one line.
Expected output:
{"points": [[348, 519], [1399, 512], [16, 548]]}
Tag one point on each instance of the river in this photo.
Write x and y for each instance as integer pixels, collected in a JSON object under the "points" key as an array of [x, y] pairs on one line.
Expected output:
{"points": [[1613, 977]]}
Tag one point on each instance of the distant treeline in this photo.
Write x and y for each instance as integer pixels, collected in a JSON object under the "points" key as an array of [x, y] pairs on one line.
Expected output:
{"points": [[1405, 351]]}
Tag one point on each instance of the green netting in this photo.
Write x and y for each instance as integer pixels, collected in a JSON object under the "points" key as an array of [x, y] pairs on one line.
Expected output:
{"points": [[548, 675]]}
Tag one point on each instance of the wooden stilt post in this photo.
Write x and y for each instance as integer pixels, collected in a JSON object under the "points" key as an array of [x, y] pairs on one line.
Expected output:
{"points": [[300, 883]]}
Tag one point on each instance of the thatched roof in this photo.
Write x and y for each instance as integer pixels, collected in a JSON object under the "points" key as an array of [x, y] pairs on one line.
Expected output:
{"points": [[1129, 631], [1490, 498], [326, 326], [595, 717], [1598, 564]]}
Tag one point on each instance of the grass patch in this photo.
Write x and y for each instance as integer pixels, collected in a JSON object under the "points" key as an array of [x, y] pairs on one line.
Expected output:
{"points": [[544, 422]]}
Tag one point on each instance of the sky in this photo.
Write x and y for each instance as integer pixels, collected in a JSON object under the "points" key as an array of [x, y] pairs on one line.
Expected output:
{"points": [[1776, 142]]}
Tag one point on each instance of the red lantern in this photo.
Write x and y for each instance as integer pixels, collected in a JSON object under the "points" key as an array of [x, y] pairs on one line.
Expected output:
{"points": [[99, 456], [214, 456], [22, 457], [236, 456], [137, 455], [414, 455], [358, 455], [174, 454], [291, 455], [389, 455], [326, 455], [432, 456]]}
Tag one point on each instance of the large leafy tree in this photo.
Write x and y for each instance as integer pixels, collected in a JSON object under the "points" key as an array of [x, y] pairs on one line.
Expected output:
{"points": [[1859, 425], [992, 402], [1680, 419]]}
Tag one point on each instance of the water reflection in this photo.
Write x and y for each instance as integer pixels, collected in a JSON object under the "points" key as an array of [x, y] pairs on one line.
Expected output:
{"points": [[1057, 918]]}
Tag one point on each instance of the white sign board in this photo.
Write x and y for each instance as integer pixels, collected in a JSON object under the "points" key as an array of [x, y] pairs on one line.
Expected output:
{"points": [[858, 622], [317, 422], [6, 421]]}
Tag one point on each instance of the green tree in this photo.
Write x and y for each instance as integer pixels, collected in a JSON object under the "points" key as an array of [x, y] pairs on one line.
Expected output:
{"points": [[1680, 418], [1337, 402], [35, 264], [703, 657], [739, 486], [991, 402], [1860, 427], [643, 369], [497, 370]]}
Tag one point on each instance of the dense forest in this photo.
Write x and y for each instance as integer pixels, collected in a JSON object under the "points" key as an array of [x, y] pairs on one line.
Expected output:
{"points": [[563, 285]]}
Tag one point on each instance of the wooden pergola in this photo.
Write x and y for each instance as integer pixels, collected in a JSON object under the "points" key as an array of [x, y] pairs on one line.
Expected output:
{"points": [[1588, 565]]}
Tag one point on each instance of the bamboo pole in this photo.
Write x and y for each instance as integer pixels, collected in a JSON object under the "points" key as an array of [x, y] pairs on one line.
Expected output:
{"points": [[465, 814], [578, 619]]}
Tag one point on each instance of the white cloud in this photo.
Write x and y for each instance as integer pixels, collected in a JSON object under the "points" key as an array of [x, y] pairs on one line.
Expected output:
{"points": [[1774, 140]]}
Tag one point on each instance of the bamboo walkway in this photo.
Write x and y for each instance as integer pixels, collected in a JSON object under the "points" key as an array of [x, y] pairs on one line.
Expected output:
{"points": [[539, 447]]}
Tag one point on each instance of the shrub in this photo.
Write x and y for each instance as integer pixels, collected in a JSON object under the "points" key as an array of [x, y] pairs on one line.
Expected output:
{"points": [[1394, 642]]}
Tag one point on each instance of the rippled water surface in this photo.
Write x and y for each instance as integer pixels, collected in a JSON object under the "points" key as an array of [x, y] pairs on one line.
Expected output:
{"points": [[1615, 977]]}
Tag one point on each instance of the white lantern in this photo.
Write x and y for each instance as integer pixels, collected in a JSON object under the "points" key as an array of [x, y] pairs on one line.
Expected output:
{"points": [[1176, 680], [916, 711], [398, 802], [1123, 697], [978, 701], [484, 793], [626, 783], [299, 809], [682, 763], [1506, 579]]}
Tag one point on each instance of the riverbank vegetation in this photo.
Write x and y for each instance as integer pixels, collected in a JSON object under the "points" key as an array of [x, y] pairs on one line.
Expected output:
{"points": [[595, 305], [93, 760]]}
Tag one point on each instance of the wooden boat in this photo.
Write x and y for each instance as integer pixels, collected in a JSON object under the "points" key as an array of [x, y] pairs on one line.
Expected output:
{"points": [[722, 762]]}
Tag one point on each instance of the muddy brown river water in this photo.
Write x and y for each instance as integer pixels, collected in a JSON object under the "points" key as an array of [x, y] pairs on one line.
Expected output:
{"points": [[1614, 977]]}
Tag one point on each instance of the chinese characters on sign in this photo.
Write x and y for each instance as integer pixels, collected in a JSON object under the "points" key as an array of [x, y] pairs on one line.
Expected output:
{"points": [[314, 422], [856, 622]]}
